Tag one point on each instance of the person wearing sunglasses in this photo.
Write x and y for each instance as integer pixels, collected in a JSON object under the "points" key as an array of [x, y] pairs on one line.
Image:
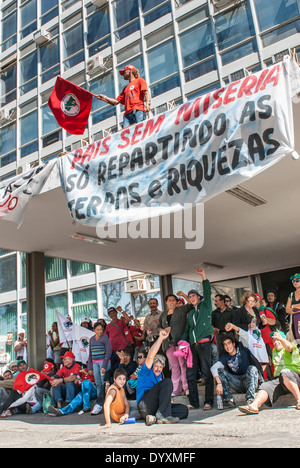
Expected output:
{"points": [[293, 307]]}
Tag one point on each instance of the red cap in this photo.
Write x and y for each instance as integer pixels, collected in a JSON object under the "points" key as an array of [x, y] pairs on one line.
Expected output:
{"points": [[48, 366], [258, 296], [68, 354], [128, 67]]}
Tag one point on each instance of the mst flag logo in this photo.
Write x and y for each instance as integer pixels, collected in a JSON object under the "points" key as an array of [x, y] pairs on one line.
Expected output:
{"points": [[70, 105]]}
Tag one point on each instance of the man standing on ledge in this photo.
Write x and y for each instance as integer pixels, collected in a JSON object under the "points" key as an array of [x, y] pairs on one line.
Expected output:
{"points": [[199, 333], [135, 97]]}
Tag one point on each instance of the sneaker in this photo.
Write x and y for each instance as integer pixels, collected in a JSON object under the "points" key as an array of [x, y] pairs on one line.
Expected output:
{"points": [[5, 414], [52, 411], [160, 419], [150, 420], [96, 410], [229, 404], [168, 420]]}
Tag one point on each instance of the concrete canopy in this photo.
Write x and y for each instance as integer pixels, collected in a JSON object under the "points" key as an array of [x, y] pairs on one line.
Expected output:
{"points": [[241, 238]]}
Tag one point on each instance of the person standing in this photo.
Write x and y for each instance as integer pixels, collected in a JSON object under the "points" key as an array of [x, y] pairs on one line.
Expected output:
{"points": [[151, 321], [175, 319], [199, 333], [220, 317], [135, 97], [293, 307], [99, 362]]}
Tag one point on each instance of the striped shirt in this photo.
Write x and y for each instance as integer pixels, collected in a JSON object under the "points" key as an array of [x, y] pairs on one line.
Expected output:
{"points": [[100, 350]]}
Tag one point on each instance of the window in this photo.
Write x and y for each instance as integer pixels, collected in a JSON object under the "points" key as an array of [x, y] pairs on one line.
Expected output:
{"points": [[50, 128], [8, 144], [126, 17], [84, 304], [28, 72], [49, 53], [9, 26], [28, 17], [49, 9], [29, 130], [239, 52], [102, 85], [281, 33], [79, 268], [55, 269], [113, 294], [163, 63], [156, 13], [234, 26], [73, 43], [197, 44], [8, 83], [8, 324], [59, 303], [98, 31], [8, 273], [272, 13]]}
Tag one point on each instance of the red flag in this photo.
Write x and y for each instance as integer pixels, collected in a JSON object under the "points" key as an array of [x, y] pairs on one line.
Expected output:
{"points": [[25, 380], [71, 106]]}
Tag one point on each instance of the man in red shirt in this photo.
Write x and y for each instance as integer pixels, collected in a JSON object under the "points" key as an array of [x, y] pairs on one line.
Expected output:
{"points": [[63, 383], [135, 97]]}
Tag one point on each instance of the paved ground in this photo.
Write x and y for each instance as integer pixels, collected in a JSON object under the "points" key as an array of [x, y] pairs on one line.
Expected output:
{"points": [[276, 427]]}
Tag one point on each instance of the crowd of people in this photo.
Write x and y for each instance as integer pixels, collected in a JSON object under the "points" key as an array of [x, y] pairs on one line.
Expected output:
{"points": [[136, 371]]}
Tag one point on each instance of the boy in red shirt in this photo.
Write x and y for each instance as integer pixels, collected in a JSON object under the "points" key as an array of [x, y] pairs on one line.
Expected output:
{"points": [[132, 97]]}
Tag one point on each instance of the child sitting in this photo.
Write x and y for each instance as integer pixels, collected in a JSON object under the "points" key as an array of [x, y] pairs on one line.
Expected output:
{"points": [[116, 405]]}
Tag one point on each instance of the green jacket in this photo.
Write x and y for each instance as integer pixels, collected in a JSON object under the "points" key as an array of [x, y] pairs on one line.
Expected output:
{"points": [[198, 324]]}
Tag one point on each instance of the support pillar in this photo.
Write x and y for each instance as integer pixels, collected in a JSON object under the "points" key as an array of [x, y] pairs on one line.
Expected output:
{"points": [[36, 309], [166, 287]]}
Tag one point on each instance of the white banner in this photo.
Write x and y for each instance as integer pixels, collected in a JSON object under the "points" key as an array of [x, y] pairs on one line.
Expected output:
{"points": [[65, 330], [81, 338], [187, 155], [74, 336], [16, 192]]}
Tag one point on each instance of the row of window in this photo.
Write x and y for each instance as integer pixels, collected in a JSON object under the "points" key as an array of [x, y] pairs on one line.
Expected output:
{"points": [[195, 48]]}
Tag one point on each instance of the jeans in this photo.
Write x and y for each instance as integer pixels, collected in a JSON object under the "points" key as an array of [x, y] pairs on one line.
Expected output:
{"points": [[246, 383], [88, 393], [157, 399], [65, 391], [202, 358], [99, 381], [134, 117]]}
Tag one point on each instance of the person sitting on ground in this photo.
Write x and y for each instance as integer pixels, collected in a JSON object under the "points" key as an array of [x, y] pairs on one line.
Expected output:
{"points": [[154, 392], [116, 405], [22, 393], [13, 368], [21, 366], [126, 363], [133, 378], [237, 369], [286, 359], [63, 384], [44, 386], [87, 393], [6, 385]]}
